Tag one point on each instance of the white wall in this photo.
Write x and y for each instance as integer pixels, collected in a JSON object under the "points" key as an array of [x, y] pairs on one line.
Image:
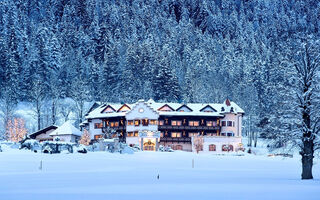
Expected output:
{"points": [[237, 124], [148, 113], [94, 131], [66, 138], [45, 135], [219, 141], [132, 140]]}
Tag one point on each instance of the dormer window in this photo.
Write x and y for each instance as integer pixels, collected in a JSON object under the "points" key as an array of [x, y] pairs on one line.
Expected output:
{"points": [[166, 108], [231, 109], [222, 109]]}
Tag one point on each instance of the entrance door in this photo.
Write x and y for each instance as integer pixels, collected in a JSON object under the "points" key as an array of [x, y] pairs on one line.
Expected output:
{"points": [[149, 146]]}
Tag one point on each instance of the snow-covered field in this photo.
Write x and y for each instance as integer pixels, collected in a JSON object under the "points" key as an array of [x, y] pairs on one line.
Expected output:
{"points": [[101, 175]]}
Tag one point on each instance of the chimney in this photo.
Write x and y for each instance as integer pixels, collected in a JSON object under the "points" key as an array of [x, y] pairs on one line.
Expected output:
{"points": [[228, 102]]}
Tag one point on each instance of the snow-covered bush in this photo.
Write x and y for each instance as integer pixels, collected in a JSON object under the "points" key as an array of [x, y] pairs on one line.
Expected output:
{"points": [[31, 144], [165, 149], [57, 147], [80, 149], [94, 147], [125, 149]]}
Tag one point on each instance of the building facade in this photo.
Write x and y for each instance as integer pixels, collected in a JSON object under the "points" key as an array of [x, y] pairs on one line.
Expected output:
{"points": [[149, 124]]}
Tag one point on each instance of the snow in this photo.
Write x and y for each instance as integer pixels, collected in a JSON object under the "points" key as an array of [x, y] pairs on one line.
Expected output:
{"points": [[196, 107], [102, 175], [66, 129]]}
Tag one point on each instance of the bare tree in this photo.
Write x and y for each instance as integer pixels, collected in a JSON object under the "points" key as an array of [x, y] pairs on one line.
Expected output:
{"points": [[38, 98]]}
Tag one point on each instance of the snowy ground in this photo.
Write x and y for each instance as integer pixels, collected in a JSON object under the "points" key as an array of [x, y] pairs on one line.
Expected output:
{"points": [[101, 175]]}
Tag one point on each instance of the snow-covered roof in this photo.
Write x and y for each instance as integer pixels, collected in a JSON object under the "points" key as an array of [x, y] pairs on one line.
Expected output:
{"points": [[222, 108], [66, 129]]}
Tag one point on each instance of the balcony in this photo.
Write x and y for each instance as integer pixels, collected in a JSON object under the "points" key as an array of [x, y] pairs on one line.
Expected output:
{"points": [[166, 127], [178, 140]]}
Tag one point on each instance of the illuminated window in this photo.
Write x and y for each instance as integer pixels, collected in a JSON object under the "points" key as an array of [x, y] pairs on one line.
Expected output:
{"points": [[193, 134], [130, 122], [98, 125], [175, 134], [136, 134], [145, 122], [161, 134], [153, 122], [176, 123], [130, 134], [193, 123], [161, 122], [124, 108], [112, 124], [97, 137], [136, 122], [211, 123], [212, 147], [223, 123]]}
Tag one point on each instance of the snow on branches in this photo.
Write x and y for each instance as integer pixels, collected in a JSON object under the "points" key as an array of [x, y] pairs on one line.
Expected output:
{"points": [[85, 138], [16, 130]]}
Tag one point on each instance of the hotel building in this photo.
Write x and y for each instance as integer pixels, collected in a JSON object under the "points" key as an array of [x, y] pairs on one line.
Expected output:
{"points": [[150, 124]]}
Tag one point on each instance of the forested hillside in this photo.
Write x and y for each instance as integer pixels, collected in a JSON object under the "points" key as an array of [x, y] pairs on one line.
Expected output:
{"points": [[168, 50]]}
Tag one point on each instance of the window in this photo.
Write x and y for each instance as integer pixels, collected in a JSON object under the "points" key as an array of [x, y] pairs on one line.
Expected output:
{"points": [[145, 122], [175, 134], [130, 122], [177, 147], [153, 122], [97, 137], [212, 147], [98, 125], [176, 123], [165, 108], [193, 134], [223, 123], [130, 134], [211, 123], [112, 124], [211, 134], [116, 124], [230, 123], [136, 122], [193, 123], [136, 134], [230, 134], [161, 134], [161, 122], [223, 134], [227, 147]]}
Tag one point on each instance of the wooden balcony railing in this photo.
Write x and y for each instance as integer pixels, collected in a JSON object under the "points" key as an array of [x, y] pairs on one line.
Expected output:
{"points": [[189, 127]]}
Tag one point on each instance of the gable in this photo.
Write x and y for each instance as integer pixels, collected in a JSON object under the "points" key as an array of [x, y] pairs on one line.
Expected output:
{"points": [[124, 108], [184, 108], [208, 108], [141, 111], [166, 108], [108, 109]]}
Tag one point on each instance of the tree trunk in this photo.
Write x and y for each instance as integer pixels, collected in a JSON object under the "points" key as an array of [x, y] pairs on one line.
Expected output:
{"points": [[307, 160]]}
